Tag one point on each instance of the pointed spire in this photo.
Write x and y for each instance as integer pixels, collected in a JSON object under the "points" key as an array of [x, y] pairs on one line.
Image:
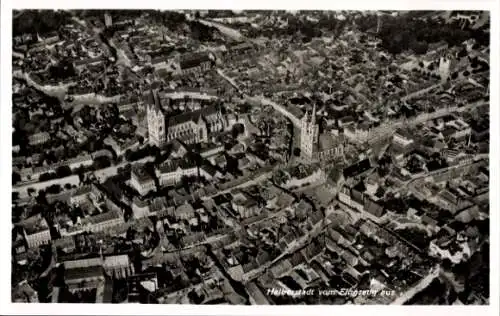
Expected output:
{"points": [[313, 117], [150, 99], [154, 100]]}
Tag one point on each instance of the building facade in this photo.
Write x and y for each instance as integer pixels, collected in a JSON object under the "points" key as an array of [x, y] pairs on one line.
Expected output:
{"points": [[38, 238], [108, 20], [141, 181], [308, 134], [191, 127], [156, 121]]}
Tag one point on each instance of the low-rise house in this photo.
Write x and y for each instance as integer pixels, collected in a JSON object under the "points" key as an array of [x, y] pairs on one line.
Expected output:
{"points": [[245, 205], [24, 293], [120, 147], [102, 221], [447, 247], [402, 138], [185, 211], [172, 171], [256, 295], [140, 208], [80, 195], [39, 138], [83, 63], [118, 266], [66, 244]]}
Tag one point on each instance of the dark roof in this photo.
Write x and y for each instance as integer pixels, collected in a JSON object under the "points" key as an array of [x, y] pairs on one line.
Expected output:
{"points": [[103, 217], [194, 61], [241, 47], [141, 174], [35, 224], [357, 196], [209, 169], [172, 165], [316, 217], [448, 131], [88, 61], [153, 98], [177, 145], [85, 272], [192, 116], [373, 208], [357, 168]]}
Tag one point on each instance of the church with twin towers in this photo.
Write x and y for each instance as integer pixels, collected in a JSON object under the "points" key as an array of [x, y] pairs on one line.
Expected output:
{"points": [[191, 127], [315, 145]]}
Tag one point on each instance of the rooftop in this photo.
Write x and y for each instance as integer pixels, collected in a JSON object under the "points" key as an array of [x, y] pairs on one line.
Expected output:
{"points": [[35, 224]]}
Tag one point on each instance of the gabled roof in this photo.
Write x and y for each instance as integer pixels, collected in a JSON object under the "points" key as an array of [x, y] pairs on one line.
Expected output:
{"points": [[373, 207], [357, 168], [194, 60], [193, 116]]}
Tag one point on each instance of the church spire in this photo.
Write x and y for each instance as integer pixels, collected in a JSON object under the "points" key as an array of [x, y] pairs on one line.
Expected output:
{"points": [[313, 117], [154, 100], [306, 116]]}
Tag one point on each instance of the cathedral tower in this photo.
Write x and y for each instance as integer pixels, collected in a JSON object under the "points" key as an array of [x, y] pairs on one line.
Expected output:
{"points": [[156, 120], [308, 134], [444, 68]]}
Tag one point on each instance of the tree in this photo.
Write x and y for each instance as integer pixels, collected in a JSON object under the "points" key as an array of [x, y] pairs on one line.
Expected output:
{"points": [[30, 191], [47, 176], [296, 152], [128, 155], [140, 139], [238, 129], [63, 171], [15, 178], [419, 48], [101, 162]]}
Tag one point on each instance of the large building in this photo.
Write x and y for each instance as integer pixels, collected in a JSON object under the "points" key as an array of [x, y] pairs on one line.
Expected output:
{"points": [[316, 146], [191, 127], [108, 20], [156, 120], [308, 134], [196, 64], [141, 181], [36, 231]]}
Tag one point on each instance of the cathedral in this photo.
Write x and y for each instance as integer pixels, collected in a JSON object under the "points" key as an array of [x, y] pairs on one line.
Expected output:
{"points": [[308, 134], [314, 145], [191, 127]]}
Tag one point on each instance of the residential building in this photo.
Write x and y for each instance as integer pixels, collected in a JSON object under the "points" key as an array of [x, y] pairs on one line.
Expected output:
{"points": [[141, 181], [102, 221], [39, 138], [36, 231], [118, 267]]}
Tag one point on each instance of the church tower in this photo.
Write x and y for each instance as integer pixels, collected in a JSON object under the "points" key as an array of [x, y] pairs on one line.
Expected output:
{"points": [[108, 20], [308, 134], [156, 120], [444, 67]]}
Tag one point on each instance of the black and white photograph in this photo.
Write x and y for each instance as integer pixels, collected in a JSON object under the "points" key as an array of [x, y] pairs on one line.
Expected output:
{"points": [[249, 157]]}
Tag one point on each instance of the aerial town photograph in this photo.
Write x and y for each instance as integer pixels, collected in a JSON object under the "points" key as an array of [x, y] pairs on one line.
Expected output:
{"points": [[250, 157]]}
